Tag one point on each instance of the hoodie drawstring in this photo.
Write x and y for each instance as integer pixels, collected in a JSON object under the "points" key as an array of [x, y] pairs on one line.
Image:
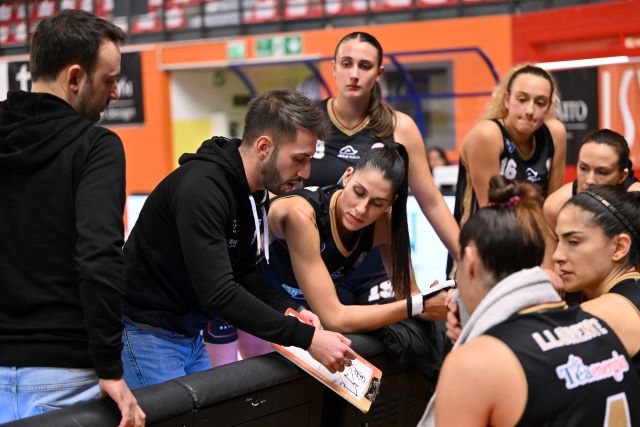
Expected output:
{"points": [[265, 225]]}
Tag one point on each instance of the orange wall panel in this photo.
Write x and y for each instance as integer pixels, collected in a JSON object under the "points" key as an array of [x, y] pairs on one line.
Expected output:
{"points": [[586, 31]]}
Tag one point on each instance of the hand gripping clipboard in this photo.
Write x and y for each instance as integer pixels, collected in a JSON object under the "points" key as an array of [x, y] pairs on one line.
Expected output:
{"points": [[358, 383]]}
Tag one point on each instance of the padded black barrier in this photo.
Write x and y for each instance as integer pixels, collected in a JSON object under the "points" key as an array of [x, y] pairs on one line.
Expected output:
{"points": [[262, 391]]}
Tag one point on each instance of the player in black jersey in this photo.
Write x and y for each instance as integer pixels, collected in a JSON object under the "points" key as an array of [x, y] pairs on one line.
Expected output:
{"points": [[518, 138], [603, 159], [360, 119], [523, 357], [599, 247], [321, 234]]}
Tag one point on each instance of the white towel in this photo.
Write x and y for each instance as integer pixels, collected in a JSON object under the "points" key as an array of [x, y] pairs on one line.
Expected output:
{"points": [[520, 290]]}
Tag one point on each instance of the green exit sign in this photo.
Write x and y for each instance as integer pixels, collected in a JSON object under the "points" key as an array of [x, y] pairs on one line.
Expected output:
{"points": [[279, 46], [236, 49]]}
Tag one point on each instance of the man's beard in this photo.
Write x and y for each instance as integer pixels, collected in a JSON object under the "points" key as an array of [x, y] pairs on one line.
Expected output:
{"points": [[271, 177]]}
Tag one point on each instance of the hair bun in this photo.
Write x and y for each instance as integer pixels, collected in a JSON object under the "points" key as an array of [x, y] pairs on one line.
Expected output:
{"points": [[507, 192], [502, 190]]}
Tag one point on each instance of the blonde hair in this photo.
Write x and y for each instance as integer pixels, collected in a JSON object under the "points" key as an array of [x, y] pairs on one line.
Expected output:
{"points": [[495, 107]]}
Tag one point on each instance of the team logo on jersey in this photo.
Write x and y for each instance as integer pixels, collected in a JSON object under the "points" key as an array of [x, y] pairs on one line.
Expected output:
{"points": [[349, 153], [232, 243], [532, 175], [511, 147], [576, 374], [319, 154]]}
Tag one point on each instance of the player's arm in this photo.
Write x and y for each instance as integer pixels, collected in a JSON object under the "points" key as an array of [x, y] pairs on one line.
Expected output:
{"points": [[423, 186], [559, 135], [434, 308], [481, 150], [481, 383], [293, 221]]}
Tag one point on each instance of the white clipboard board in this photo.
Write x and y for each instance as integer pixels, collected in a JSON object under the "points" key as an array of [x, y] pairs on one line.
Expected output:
{"points": [[358, 383]]}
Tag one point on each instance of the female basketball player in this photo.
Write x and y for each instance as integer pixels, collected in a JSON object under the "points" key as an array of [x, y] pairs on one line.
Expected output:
{"points": [[524, 357], [599, 247], [519, 138], [360, 119], [321, 234], [603, 159]]}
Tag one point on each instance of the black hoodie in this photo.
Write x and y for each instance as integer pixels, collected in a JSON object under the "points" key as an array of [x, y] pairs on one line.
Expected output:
{"points": [[192, 253], [62, 193]]}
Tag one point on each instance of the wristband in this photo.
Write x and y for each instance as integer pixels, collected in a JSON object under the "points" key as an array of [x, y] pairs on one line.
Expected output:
{"points": [[415, 305]]}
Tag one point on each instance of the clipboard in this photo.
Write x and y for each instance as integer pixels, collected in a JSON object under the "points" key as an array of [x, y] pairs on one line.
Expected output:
{"points": [[358, 384]]}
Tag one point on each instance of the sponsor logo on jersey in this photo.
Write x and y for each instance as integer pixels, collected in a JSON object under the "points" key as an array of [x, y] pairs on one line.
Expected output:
{"points": [[348, 152], [296, 293], [232, 243], [511, 147], [576, 374], [563, 336], [377, 145], [323, 246]]}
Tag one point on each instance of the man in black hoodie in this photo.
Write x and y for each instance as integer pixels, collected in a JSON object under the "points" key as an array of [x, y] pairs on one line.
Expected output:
{"points": [[192, 252], [61, 231]]}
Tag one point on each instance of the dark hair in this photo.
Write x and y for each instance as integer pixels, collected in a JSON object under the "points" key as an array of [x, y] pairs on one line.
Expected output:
{"points": [[279, 114], [440, 151], [510, 232], [616, 142], [614, 211], [69, 37], [381, 117], [393, 162]]}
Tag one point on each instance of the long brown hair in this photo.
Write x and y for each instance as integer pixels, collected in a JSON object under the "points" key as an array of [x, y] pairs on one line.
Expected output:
{"points": [[510, 232], [392, 161]]}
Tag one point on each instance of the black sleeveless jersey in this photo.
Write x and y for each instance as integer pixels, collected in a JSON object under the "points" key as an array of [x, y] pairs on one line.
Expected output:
{"points": [[577, 370], [629, 287], [342, 149], [628, 182], [534, 169], [338, 259]]}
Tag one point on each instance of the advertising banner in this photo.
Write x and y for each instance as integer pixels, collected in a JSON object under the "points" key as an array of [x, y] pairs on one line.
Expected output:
{"points": [[620, 104], [578, 106], [127, 109]]}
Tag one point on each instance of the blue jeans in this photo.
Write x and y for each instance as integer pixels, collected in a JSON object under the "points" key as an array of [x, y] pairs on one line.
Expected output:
{"points": [[25, 392], [152, 356]]}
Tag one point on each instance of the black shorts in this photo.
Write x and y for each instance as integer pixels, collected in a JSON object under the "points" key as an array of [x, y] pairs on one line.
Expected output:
{"points": [[219, 331]]}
